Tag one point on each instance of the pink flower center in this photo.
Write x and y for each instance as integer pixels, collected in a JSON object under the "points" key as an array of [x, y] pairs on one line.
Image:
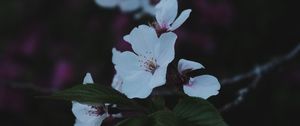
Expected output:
{"points": [[160, 28], [148, 63], [96, 111]]}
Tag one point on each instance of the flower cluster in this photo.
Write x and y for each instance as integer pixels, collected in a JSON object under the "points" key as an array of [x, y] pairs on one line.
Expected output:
{"points": [[140, 71], [144, 68]]}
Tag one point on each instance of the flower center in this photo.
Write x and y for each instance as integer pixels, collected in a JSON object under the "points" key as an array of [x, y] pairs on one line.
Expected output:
{"points": [[151, 65], [148, 63], [159, 29], [109, 109], [97, 110]]}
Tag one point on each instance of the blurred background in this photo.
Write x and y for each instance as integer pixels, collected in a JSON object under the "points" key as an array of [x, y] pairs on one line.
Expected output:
{"points": [[49, 45]]}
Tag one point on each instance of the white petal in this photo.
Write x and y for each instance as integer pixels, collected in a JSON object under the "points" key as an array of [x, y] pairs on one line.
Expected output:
{"points": [[116, 55], [180, 20], [88, 79], [126, 63], [166, 52], [84, 117], [202, 86], [159, 77], [95, 123], [147, 7], [107, 3], [184, 64], [137, 87], [142, 39], [129, 5], [117, 83], [166, 12]]}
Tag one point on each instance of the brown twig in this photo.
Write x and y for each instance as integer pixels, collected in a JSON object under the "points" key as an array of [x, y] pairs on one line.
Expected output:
{"points": [[256, 73], [264, 68]]}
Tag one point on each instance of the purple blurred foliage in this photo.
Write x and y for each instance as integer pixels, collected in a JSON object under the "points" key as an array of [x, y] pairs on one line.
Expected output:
{"points": [[123, 46], [214, 13], [120, 29], [30, 43], [202, 41], [11, 99], [121, 22], [26, 44], [62, 74], [10, 70], [15, 66]]}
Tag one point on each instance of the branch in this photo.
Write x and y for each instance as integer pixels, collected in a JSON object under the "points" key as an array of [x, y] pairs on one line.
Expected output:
{"points": [[257, 73], [264, 68], [242, 93]]}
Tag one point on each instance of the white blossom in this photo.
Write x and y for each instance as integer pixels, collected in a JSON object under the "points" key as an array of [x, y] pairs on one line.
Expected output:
{"points": [[166, 13], [146, 67], [117, 83], [202, 86], [148, 7], [129, 6], [88, 115], [125, 5]]}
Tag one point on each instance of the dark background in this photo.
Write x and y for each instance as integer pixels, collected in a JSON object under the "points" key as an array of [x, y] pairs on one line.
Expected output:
{"points": [[48, 45]]}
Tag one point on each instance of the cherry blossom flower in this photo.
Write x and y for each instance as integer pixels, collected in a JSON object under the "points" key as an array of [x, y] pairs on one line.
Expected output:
{"points": [[117, 83], [89, 115], [148, 6], [125, 5], [166, 12], [145, 68], [202, 86]]}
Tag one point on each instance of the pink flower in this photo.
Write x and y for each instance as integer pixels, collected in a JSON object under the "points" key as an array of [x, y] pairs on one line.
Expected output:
{"points": [[202, 86]]}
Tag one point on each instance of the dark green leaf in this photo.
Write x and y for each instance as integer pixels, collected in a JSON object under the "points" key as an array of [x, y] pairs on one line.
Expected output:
{"points": [[92, 93], [137, 121], [164, 118], [198, 112], [160, 118], [158, 103]]}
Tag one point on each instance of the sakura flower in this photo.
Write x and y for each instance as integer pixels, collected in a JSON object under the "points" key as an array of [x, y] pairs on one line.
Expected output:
{"points": [[166, 12], [148, 6], [117, 83], [146, 67], [202, 86], [107, 3], [125, 5], [88, 115]]}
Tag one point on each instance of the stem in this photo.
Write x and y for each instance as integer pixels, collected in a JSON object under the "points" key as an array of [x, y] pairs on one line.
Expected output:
{"points": [[257, 73]]}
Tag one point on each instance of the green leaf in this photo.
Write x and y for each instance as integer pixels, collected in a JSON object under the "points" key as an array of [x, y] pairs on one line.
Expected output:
{"points": [[197, 112], [158, 103], [152, 104], [92, 93], [137, 121], [160, 118], [164, 118]]}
